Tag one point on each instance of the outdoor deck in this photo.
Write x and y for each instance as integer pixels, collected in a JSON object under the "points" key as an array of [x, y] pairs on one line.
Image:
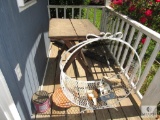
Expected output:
{"points": [[127, 108]]}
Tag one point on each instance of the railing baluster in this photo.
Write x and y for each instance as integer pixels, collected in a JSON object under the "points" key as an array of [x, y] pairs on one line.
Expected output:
{"points": [[148, 66], [87, 13], [64, 12], [80, 10], [132, 55], [72, 13], [102, 20], [144, 48], [49, 14], [115, 32], [117, 25], [116, 46], [113, 22], [121, 45], [94, 18], [126, 49], [105, 21], [109, 28], [56, 12], [143, 51]]}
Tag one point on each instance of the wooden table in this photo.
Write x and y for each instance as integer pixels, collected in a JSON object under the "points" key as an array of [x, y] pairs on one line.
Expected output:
{"points": [[71, 30]]}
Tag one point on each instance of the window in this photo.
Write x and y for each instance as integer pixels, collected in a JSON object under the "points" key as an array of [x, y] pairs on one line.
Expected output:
{"points": [[24, 4]]}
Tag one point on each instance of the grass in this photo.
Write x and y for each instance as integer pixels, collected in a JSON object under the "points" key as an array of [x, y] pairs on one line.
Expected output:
{"points": [[91, 12]]}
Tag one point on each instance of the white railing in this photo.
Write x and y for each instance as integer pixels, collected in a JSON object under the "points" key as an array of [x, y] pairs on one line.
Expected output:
{"points": [[75, 12], [133, 32]]}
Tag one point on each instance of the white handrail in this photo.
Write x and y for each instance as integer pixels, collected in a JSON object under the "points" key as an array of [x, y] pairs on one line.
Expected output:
{"points": [[149, 32], [74, 6]]}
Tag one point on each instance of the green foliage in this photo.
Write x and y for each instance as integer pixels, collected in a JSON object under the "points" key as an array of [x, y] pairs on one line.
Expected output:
{"points": [[67, 2], [91, 16], [146, 12], [68, 11]]}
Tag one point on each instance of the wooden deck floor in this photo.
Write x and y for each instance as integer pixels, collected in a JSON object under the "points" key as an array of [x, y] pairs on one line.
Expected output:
{"points": [[127, 108]]}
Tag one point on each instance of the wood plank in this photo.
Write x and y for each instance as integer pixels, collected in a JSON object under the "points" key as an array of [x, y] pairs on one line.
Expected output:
{"points": [[113, 113], [84, 27], [116, 115], [51, 71], [88, 114], [57, 112], [60, 28], [129, 109], [73, 113], [126, 104], [135, 100], [49, 80], [102, 114]]}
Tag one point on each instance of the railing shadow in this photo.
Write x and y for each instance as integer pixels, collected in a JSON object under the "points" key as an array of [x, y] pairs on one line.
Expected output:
{"points": [[55, 112], [114, 114]]}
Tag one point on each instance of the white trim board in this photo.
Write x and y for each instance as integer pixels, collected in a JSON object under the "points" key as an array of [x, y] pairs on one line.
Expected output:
{"points": [[48, 55], [7, 104]]}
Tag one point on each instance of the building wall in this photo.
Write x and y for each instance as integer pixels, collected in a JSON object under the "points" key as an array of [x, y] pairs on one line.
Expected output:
{"points": [[24, 41]]}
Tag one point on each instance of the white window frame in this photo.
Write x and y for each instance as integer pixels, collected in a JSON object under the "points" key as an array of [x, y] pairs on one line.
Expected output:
{"points": [[22, 5]]}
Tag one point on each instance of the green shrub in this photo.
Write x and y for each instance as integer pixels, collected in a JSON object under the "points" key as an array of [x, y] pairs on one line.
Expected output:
{"points": [[146, 12]]}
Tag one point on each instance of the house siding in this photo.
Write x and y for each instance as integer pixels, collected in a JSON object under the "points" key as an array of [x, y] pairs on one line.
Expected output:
{"points": [[24, 41]]}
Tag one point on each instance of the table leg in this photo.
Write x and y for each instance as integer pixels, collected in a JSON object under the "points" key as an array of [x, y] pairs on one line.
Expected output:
{"points": [[81, 55], [78, 55]]}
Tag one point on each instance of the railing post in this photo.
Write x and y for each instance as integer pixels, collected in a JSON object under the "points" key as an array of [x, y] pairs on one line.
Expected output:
{"points": [[102, 20], [148, 66], [152, 97], [107, 2], [49, 15]]}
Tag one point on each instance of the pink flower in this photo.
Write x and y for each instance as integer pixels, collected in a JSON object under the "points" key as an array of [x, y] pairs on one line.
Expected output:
{"points": [[157, 0], [132, 8], [143, 20], [143, 40], [148, 13], [118, 2]]}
